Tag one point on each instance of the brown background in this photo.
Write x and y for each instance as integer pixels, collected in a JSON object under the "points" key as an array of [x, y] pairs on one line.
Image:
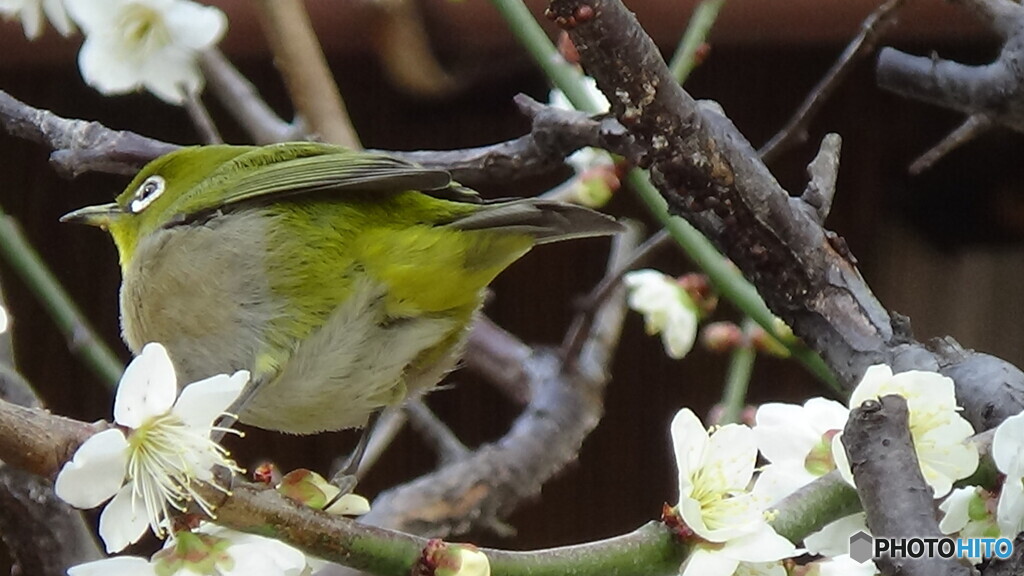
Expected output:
{"points": [[943, 248]]}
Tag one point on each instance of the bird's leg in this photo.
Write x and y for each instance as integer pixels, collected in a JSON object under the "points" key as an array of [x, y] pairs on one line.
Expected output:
{"points": [[346, 478], [231, 415]]}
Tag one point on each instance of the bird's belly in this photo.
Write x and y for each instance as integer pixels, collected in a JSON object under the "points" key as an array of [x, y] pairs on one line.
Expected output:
{"points": [[355, 364], [201, 291]]}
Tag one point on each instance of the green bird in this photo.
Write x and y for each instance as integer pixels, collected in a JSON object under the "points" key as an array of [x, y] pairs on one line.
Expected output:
{"points": [[342, 280]]}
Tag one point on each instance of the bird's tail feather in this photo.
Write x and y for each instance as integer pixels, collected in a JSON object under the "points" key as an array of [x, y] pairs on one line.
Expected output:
{"points": [[545, 220]]}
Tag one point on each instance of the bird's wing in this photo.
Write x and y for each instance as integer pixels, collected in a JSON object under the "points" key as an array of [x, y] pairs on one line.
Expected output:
{"points": [[340, 171]]}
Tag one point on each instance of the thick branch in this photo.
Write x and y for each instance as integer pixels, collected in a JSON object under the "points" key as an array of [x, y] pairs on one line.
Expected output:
{"points": [[989, 94], [710, 175], [895, 497], [79, 146]]}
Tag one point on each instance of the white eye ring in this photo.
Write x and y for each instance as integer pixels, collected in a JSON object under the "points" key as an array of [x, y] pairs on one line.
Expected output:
{"points": [[148, 191]]}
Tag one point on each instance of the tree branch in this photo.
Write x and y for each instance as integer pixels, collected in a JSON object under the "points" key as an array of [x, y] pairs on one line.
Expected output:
{"points": [[893, 493], [794, 132], [301, 62], [988, 95], [710, 175]]}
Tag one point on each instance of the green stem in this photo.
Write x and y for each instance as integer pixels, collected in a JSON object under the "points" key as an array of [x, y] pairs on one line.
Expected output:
{"points": [[684, 60], [82, 339], [565, 76], [727, 280], [810, 508], [650, 550], [737, 379]]}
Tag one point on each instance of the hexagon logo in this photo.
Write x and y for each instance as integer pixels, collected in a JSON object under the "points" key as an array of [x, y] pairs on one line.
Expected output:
{"points": [[860, 547]]}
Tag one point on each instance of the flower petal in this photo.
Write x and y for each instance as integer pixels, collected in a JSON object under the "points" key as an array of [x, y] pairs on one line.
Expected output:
{"points": [[834, 538], [265, 556], [202, 402], [172, 75], [92, 15], [705, 562], [957, 509], [730, 455], [147, 389], [764, 545], [781, 433], [96, 472], [195, 26], [842, 460], [349, 505], [1010, 509], [776, 481], [58, 16], [118, 566], [123, 521], [689, 438], [1008, 446], [103, 70]]}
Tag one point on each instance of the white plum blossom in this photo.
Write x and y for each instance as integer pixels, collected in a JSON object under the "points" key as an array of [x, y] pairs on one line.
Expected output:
{"points": [[714, 503], [970, 511], [151, 44], [842, 565], [834, 538], [4, 320], [797, 441], [31, 12], [1008, 454], [160, 449], [666, 307], [938, 430], [833, 542], [208, 551]]}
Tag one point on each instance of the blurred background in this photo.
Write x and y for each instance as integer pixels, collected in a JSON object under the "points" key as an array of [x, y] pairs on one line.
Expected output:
{"points": [[943, 247]]}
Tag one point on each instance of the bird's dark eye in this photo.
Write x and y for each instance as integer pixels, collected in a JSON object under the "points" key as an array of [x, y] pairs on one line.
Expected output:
{"points": [[150, 189]]}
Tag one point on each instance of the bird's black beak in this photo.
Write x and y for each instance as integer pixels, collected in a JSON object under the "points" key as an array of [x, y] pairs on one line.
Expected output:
{"points": [[99, 216]]}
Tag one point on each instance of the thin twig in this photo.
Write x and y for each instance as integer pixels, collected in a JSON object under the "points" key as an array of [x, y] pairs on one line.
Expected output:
{"points": [[201, 119], [447, 445], [301, 62], [795, 130], [606, 287], [973, 126], [243, 101]]}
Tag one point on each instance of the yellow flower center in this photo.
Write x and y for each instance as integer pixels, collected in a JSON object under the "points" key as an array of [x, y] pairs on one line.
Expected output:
{"points": [[144, 28]]}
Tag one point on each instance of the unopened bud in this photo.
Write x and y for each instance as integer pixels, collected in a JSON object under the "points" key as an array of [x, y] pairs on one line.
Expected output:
{"points": [[698, 286], [722, 337], [315, 491], [567, 49], [440, 558], [266, 473]]}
